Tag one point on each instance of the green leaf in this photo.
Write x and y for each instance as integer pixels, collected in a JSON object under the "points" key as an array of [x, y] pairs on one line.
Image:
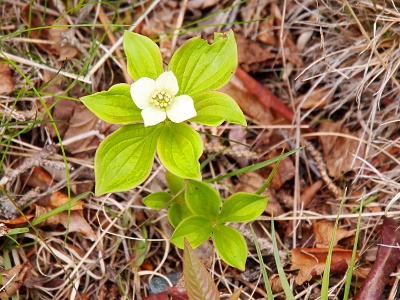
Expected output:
{"points": [[230, 245], [178, 212], [215, 107], [143, 55], [199, 283], [201, 67], [179, 148], [196, 229], [124, 159], [114, 106], [202, 199], [242, 207], [157, 200], [175, 183]]}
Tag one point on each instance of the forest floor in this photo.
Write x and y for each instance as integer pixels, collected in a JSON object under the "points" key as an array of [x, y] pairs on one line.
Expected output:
{"points": [[322, 75]]}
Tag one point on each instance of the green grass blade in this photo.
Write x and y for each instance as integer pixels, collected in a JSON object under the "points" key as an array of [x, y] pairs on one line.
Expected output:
{"points": [[266, 183], [65, 206], [325, 278], [263, 270], [285, 284], [252, 167], [349, 274]]}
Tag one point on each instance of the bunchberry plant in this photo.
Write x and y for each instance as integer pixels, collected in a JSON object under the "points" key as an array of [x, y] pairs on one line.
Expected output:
{"points": [[174, 201], [196, 212], [152, 110]]}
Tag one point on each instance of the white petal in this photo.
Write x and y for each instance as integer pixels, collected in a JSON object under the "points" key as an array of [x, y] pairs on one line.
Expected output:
{"points": [[153, 115], [141, 90], [167, 81], [181, 109]]}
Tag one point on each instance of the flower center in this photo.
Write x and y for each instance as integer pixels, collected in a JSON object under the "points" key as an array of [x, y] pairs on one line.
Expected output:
{"points": [[160, 99]]}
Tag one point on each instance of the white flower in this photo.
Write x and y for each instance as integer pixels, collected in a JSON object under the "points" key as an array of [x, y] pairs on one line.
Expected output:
{"points": [[157, 100]]}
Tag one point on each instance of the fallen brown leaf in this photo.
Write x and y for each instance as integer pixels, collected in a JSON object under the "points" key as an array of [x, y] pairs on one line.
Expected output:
{"points": [[319, 97], [311, 262], [19, 220], [35, 19], [81, 121], [75, 222], [339, 152], [252, 55], [309, 193], [14, 278], [6, 81], [323, 231]]}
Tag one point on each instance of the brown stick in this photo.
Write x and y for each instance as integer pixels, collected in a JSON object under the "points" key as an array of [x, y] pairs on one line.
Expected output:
{"points": [[265, 96]]}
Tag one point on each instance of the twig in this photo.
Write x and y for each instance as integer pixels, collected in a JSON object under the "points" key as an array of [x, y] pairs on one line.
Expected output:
{"points": [[179, 22], [25, 61], [265, 96], [104, 19], [28, 163]]}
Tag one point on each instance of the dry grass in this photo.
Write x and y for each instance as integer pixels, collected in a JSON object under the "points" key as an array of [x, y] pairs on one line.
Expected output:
{"points": [[350, 48]]}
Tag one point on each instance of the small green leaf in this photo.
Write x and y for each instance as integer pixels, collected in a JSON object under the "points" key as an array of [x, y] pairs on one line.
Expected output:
{"points": [[175, 183], [157, 200], [242, 207], [144, 57], [202, 199], [178, 212], [215, 107], [230, 245], [124, 159], [196, 229], [179, 148], [199, 283], [114, 106], [201, 67]]}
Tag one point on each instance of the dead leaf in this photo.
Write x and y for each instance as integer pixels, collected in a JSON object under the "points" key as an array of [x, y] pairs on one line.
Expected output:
{"points": [[309, 193], [18, 220], [267, 32], [285, 171], [14, 278], [109, 292], [319, 97], [311, 262], [82, 121], [339, 152], [253, 56], [41, 178], [75, 223], [6, 81], [323, 231], [58, 198], [66, 51], [35, 19], [387, 259]]}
